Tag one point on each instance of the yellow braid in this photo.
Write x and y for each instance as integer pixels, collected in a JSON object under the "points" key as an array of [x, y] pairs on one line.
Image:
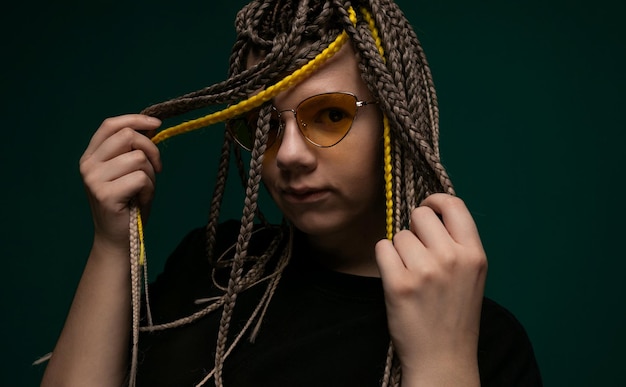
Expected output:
{"points": [[388, 177], [142, 248], [386, 134]]}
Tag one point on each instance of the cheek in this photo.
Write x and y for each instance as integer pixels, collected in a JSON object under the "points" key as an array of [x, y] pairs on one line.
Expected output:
{"points": [[367, 156], [373, 167], [361, 170]]}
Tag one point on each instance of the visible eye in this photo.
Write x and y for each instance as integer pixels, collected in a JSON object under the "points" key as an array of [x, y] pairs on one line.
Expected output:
{"points": [[326, 118], [331, 116], [335, 115]]}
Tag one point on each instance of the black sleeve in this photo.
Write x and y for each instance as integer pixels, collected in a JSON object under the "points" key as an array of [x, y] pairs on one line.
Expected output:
{"points": [[505, 353]]}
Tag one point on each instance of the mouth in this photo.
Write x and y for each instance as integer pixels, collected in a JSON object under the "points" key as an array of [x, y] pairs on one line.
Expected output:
{"points": [[304, 195]]}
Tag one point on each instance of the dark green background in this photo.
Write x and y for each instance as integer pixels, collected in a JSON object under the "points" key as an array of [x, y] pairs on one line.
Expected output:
{"points": [[531, 96]]}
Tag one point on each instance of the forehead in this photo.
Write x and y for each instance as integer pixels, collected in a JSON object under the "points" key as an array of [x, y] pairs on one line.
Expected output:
{"points": [[340, 73]]}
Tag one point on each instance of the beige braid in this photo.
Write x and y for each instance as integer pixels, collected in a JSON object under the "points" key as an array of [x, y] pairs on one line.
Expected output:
{"points": [[399, 201], [218, 195], [135, 290], [243, 240]]}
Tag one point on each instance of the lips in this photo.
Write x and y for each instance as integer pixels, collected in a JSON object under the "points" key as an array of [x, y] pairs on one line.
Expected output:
{"points": [[304, 194]]}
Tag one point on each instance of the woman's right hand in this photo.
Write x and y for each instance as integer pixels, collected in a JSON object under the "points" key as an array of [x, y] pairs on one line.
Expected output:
{"points": [[118, 165]]}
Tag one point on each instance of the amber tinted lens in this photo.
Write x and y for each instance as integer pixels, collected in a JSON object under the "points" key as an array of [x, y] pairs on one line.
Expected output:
{"points": [[242, 131], [243, 128], [325, 119]]}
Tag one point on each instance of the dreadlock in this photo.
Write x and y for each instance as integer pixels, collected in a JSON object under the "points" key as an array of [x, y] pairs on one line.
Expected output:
{"points": [[289, 35]]}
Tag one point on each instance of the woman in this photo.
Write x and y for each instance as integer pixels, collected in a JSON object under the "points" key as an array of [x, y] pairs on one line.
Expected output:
{"points": [[376, 276]]}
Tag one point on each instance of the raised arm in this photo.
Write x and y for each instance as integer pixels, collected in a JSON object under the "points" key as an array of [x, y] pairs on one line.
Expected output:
{"points": [[118, 165], [433, 278]]}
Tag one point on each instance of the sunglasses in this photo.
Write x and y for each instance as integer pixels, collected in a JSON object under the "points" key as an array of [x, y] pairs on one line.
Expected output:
{"points": [[323, 119]]}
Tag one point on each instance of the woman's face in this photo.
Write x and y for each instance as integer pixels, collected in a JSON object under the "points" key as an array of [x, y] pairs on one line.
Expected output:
{"points": [[325, 191]]}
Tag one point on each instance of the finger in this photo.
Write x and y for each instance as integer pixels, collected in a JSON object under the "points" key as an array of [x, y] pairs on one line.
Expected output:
{"points": [[125, 164], [456, 218], [411, 249], [135, 184], [428, 227], [124, 141], [389, 262], [112, 125]]}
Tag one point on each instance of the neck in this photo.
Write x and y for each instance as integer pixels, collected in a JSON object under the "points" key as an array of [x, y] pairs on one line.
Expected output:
{"points": [[347, 252]]}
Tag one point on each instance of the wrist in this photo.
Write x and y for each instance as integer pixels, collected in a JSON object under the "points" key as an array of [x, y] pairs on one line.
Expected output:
{"points": [[104, 247], [438, 370]]}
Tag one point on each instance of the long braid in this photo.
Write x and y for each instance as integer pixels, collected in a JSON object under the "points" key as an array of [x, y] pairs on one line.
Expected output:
{"points": [[383, 87], [135, 290], [245, 233], [400, 210], [218, 194], [241, 171], [241, 83], [410, 63], [420, 132], [417, 68]]}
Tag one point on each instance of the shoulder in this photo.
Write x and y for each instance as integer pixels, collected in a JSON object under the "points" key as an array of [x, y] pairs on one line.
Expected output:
{"points": [[496, 319], [505, 353]]}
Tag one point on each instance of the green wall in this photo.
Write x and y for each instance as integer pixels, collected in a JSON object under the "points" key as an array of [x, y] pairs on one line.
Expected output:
{"points": [[531, 96]]}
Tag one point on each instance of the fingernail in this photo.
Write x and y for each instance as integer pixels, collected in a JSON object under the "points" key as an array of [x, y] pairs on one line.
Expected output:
{"points": [[153, 120]]}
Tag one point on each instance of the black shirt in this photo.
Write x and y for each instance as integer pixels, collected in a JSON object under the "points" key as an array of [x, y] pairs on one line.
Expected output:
{"points": [[322, 328]]}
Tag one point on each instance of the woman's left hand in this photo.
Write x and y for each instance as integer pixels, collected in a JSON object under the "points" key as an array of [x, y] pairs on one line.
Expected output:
{"points": [[433, 278]]}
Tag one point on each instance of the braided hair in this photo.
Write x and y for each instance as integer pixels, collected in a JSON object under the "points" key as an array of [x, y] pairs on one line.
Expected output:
{"points": [[287, 35]]}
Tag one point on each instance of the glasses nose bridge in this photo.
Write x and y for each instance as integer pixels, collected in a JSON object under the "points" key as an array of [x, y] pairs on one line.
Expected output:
{"points": [[280, 113], [283, 124]]}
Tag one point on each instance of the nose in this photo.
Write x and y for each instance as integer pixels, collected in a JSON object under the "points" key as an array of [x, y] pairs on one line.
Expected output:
{"points": [[294, 153]]}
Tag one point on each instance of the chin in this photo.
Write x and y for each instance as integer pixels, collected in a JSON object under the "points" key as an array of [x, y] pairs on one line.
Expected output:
{"points": [[318, 224], [334, 228]]}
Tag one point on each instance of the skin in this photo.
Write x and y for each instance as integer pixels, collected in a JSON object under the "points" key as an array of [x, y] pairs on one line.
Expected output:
{"points": [[433, 274]]}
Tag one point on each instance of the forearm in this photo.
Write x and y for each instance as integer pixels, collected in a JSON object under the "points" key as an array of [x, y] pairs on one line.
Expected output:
{"points": [[93, 346]]}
